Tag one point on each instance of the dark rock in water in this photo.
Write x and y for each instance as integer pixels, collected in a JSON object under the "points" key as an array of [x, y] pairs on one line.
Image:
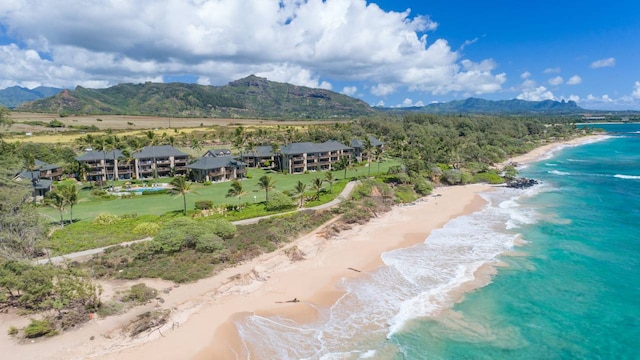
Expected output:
{"points": [[522, 183]]}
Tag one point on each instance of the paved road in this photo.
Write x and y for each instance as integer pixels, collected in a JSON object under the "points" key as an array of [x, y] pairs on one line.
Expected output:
{"points": [[87, 253]]}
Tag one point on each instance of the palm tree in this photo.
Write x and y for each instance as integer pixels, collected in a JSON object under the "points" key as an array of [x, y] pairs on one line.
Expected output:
{"points": [[57, 201], [328, 177], [112, 144], [316, 186], [266, 183], [195, 144], [368, 147], [153, 140], [377, 156], [344, 163], [69, 192], [31, 166], [239, 139], [298, 192], [181, 187], [275, 149], [236, 190]]}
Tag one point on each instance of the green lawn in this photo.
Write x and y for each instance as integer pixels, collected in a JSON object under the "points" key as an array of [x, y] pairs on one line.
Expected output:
{"points": [[89, 206]]}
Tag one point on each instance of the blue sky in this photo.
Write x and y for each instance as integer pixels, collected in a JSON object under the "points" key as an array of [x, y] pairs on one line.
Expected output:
{"points": [[389, 53]]}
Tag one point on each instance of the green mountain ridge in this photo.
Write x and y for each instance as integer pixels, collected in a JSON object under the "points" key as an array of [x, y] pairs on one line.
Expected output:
{"points": [[513, 106], [249, 97], [16, 95]]}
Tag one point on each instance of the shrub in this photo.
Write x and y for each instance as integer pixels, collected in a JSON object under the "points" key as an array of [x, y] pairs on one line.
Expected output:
{"points": [[39, 328], [204, 205], [223, 228], [405, 194], [452, 176], [465, 177], [421, 186], [111, 308], [13, 331], [208, 244], [488, 177], [139, 294], [279, 201], [146, 229], [207, 183], [105, 219]]}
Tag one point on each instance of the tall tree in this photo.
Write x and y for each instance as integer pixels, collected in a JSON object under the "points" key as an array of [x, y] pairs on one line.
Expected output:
{"points": [[368, 148], [275, 150], [328, 177], [266, 183], [236, 190], [21, 226], [316, 186], [69, 192], [57, 201], [195, 144], [181, 187], [5, 120], [298, 192], [377, 156], [344, 163]]}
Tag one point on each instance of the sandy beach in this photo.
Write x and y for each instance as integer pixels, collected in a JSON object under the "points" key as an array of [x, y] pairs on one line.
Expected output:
{"points": [[202, 313]]}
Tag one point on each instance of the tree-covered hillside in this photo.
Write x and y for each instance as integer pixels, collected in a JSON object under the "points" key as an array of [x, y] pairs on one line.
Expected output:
{"points": [[251, 97]]}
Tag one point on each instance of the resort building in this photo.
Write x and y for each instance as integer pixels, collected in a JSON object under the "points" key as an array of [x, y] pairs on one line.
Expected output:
{"points": [[307, 156], [217, 168], [41, 186], [152, 161], [104, 165], [262, 156], [359, 148], [160, 161], [48, 171]]}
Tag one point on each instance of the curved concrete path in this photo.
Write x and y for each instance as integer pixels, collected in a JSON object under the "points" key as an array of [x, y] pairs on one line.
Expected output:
{"points": [[86, 253]]}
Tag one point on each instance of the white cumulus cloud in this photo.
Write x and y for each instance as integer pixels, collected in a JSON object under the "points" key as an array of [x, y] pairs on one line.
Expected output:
{"points": [[537, 94], [608, 62], [350, 90], [574, 80], [636, 90], [312, 43], [554, 70], [556, 80], [525, 75]]}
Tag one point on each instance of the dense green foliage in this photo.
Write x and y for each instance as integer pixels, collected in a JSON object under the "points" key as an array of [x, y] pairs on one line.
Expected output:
{"points": [[159, 258], [21, 228], [250, 97]]}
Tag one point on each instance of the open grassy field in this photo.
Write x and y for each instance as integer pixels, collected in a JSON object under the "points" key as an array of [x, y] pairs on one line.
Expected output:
{"points": [[89, 207], [123, 124]]}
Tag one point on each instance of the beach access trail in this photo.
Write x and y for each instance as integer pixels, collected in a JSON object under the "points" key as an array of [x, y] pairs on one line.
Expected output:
{"points": [[81, 255]]}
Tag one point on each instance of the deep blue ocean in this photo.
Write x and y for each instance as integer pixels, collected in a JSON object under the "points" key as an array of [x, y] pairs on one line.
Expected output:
{"points": [[567, 285]]}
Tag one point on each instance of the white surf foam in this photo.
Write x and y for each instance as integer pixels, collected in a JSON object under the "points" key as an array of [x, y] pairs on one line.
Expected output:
{"points": [[417, 282], [627, 177], [556, 172]]}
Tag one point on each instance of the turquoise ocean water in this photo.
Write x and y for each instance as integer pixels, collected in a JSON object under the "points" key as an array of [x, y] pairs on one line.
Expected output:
{"points": [[572, 291]]}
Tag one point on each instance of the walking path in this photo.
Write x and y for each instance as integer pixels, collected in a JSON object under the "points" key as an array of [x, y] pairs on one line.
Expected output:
{"points": [[86, 253]]}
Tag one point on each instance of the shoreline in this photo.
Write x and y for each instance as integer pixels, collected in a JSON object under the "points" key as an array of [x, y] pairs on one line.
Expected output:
{"points": [[202, 313]]}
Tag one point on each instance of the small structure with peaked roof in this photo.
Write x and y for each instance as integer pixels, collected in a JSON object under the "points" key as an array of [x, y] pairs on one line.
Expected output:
{"points": [[217, 153]]}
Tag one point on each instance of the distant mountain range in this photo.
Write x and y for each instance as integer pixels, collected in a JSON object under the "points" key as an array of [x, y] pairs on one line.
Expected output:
{"points": [[16, 95], [250, 97], [482, 106]]}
